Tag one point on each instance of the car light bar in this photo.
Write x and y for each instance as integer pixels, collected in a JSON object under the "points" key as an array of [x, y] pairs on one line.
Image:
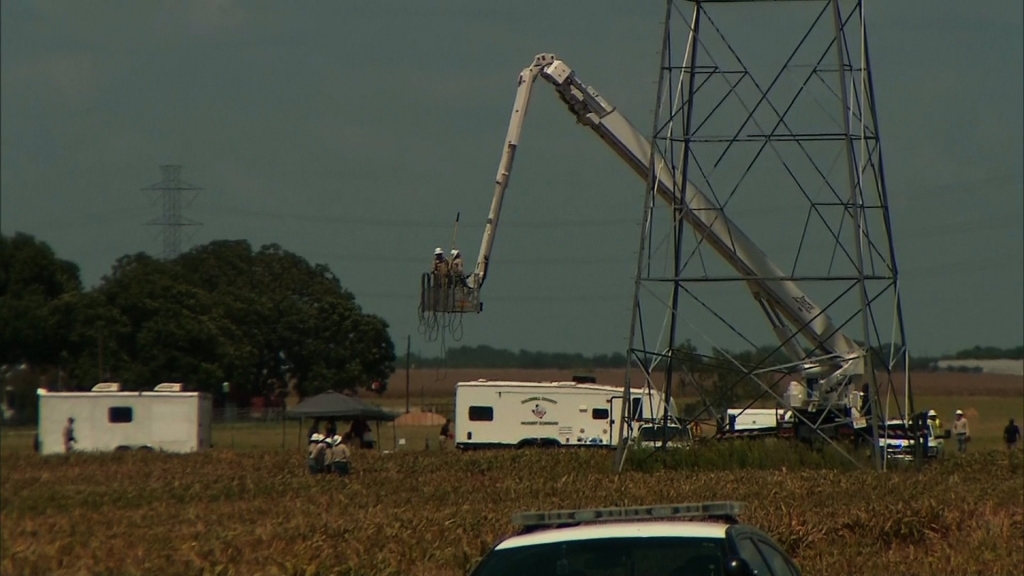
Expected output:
{"points": [[728, 510]]}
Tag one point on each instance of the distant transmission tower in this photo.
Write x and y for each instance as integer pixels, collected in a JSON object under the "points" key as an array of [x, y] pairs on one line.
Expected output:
{"points": [[171, 189], [779, 238]]}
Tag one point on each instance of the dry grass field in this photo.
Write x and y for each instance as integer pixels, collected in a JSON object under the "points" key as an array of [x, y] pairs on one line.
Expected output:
{"points": [[249, 507], [434, 514]]}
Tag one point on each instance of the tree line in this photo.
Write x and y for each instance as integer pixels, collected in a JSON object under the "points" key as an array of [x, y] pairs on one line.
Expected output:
{"points": [[222, 318]]}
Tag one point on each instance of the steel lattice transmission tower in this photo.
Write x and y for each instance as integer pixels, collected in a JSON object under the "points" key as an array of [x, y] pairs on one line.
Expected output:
{"points": [[767, 109], [171, 189]]}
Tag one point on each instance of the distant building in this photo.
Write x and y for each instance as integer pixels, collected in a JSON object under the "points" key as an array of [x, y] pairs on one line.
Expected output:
{"points": [[1011, 367]]}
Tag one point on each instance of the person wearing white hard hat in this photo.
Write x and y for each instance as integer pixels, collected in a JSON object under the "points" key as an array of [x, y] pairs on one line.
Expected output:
{"points": [[933, 416], [317, 453], [456, 269], [440, 277], [962, 431], [440, 262], [340, 454]]}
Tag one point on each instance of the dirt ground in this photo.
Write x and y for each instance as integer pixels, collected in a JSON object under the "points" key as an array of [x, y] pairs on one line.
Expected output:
{"points": [[435, 383]]}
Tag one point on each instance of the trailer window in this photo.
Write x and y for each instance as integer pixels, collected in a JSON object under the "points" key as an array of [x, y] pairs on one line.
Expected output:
{"points": [[481, 413], [599, 413], [119, 414], [638, 408]]}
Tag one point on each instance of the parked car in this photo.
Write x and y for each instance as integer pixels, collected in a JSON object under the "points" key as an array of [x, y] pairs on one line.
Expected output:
{"points": [[703, 539]]}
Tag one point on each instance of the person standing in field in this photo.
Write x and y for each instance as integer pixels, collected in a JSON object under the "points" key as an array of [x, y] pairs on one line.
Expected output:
{"points": [[1011, 435], [446, 433], [328, 443], [340, 456], [358, 431], [317, 453], [961, 431], [69, 435]]}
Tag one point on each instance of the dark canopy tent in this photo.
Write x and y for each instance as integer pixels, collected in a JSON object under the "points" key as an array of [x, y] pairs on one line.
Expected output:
{"points": [[338, 406], [332, 404]]}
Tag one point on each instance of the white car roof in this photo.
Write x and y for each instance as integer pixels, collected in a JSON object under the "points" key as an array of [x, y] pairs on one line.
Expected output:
{"points": [[664, 528]]}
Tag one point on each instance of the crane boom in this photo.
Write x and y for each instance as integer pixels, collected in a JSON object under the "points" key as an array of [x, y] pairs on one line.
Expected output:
{"points": [[515, 128], [787, 307]]}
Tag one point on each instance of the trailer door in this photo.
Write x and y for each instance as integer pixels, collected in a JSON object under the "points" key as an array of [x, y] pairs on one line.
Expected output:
{"points": [[615, 411]]}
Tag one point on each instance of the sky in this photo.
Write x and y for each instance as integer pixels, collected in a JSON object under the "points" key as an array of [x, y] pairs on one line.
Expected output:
{"points": [[352, 133]]}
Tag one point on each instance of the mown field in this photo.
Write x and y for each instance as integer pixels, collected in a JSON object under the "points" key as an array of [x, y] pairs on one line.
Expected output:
{"points": [[435, 513]]}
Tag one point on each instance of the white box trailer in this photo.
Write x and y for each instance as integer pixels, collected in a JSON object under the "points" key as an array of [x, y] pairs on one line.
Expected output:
{"points": [[755, 418], [492, 414], [107, 419]]}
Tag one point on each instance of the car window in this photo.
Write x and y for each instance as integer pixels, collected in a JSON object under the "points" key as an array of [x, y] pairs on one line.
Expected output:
{"points": [[748, 551], [776, 559], [654, 556]]}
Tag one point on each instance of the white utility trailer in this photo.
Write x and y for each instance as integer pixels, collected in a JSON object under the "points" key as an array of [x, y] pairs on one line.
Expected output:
{"points": [[108, 419], [738, 419], [493, 414]]}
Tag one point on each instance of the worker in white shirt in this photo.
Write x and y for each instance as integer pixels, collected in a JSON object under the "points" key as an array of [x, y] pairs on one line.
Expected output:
{"points": [[961, 431], [317, 453], [340, 454], [455, 269]]}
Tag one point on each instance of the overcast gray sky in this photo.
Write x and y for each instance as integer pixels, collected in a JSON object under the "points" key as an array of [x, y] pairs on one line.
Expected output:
{"points": [[352, 132]]}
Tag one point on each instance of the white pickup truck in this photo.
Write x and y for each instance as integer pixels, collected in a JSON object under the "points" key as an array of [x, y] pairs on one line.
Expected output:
{"points": [[898, 439]]}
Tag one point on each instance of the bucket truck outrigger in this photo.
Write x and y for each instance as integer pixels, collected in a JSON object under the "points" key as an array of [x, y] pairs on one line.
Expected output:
{"points": [[829, 396]]}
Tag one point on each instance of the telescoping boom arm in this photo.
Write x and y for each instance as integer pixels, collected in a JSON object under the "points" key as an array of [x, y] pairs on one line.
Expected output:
{"points": [[786, 306]]}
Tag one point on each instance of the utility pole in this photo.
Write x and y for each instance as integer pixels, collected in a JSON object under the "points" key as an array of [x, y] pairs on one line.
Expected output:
{"points": [[408, 348]]}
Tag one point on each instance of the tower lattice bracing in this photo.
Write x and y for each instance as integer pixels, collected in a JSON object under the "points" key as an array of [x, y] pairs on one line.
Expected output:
{"points": [[768, 110], [174, 194]]}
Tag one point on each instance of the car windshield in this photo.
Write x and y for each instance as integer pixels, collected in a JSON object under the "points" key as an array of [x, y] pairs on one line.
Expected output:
{"points": [[650, 556], [659, 433]]}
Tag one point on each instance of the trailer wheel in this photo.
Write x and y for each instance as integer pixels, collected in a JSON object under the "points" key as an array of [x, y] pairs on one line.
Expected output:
{"points": [[123, 449]]}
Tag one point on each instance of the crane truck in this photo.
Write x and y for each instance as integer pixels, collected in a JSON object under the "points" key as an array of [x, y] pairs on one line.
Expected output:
{"points": [[826, 394]]}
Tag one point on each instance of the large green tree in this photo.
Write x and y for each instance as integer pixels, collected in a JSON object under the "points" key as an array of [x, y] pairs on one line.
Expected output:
{"points": [[220, 313], [225, 313], [34, 283]]}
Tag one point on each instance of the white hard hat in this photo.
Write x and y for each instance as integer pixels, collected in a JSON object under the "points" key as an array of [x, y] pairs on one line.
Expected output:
{"points": [[455, 252], [335, 439], [438, 251], [959, 412], [316, 437], [932, 413]]}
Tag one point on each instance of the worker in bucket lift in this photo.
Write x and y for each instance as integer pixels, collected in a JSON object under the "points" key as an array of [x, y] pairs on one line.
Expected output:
{"points": [[441, 267], [317, 453], [340, 454], [456, 270], [439, 280]]}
